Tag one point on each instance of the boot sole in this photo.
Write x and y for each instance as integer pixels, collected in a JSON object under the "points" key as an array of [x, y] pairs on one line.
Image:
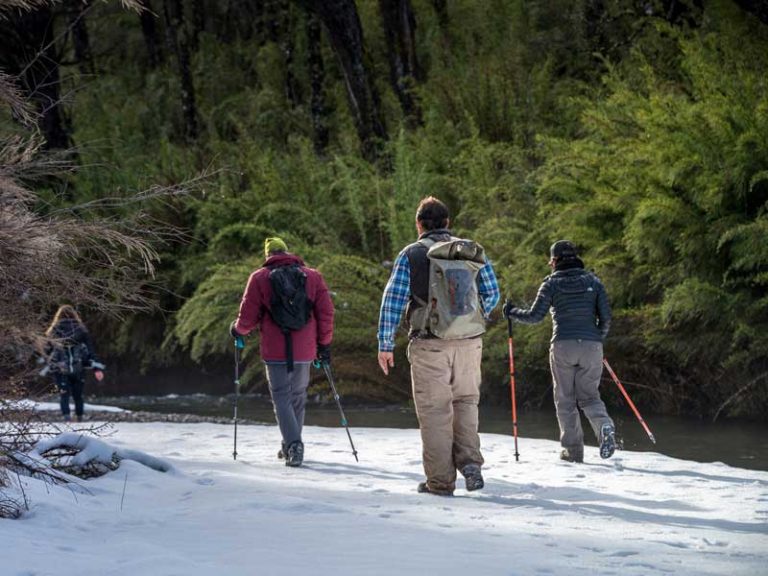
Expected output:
{"points": [[607, 445]]}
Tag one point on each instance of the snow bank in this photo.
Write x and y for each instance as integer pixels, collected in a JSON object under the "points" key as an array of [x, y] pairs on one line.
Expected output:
{"points": [[638, 514], [92, 449], [27, 404]]}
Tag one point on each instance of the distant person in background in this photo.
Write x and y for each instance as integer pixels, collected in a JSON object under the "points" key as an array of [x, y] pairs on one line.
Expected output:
{"points": [[581, 318], [70, 352], [289, 304]]}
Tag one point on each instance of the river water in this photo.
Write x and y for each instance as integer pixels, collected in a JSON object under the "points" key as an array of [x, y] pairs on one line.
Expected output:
{"points": [[737, 443]]}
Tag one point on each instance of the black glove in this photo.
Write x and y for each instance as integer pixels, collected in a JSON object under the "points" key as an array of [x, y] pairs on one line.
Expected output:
{"points": [[509, 309], [324, 353], [232, 332]]}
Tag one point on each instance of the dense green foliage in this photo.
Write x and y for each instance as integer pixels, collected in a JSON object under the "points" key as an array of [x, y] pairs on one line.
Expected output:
{"points": [[642, 139]]}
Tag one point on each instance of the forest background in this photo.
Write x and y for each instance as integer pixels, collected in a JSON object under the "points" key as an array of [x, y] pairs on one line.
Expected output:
{"points": [[637, 129]]}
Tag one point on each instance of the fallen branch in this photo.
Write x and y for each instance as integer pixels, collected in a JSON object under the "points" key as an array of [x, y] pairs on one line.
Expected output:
{"points": [[738, 393]]}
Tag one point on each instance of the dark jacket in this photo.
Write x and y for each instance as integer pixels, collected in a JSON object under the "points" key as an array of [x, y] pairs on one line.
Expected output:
{"points": [[72, 349], [254, 313], [578, 303]]}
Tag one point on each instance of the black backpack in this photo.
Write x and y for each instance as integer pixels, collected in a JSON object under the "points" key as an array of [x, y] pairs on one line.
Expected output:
{"points": [[290, 308]]}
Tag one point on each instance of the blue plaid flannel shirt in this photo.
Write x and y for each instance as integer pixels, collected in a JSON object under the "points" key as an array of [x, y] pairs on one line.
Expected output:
{"points": [[398, 291]]}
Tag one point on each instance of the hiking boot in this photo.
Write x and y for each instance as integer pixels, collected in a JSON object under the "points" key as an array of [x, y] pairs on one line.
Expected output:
{"points": [[281, 452], [473, 477], [607, 441], [571, 456], [423, 488], [295, 455]]}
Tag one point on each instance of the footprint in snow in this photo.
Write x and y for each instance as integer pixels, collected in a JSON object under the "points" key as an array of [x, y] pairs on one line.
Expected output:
{"points": [[717, 543], [623, 554], [205, 481]]}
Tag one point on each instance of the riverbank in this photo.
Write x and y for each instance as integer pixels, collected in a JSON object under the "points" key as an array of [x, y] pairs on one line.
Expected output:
{"points": [[734, 442]]}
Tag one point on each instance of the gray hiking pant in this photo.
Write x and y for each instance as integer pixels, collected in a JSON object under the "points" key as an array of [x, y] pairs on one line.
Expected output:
{"points": [[577, 366], [446, 390], [289, 398]]}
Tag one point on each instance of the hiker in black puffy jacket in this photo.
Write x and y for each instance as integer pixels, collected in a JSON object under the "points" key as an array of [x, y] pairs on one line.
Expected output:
{"points": [[70, 352], [581, 318]]}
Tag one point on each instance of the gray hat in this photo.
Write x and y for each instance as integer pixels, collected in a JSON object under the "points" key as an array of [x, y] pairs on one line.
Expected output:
{"points": [[562, 250]]}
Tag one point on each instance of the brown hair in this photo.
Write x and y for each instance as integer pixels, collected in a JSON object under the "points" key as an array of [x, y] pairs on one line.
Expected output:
{"points": [[432, 213], [64, 311]]}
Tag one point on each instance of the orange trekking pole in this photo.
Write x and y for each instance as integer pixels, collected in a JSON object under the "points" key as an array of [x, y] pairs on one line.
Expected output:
{"points": [[629, 400], [512, 386]]}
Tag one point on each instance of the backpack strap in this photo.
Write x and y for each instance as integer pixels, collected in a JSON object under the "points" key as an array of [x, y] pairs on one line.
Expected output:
{"points": [[428, 243]]}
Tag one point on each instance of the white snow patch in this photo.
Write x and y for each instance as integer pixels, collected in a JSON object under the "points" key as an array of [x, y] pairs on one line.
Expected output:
{"points": [[92, 449], [636, 514], [27, 404]]}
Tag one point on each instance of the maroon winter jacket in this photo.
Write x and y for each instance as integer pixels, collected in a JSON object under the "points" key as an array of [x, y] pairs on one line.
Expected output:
{"points": [[254, 313]]}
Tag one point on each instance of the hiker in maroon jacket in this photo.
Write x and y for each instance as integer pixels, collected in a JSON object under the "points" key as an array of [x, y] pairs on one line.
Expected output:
{"points": [[287, 355]]}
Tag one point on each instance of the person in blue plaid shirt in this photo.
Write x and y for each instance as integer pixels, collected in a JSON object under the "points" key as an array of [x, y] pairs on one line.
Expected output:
{"points": [[445, 372]]}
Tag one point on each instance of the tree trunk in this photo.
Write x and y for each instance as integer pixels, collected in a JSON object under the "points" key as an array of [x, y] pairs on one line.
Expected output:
{"points": [[279, 24], [404, 72], [149, 30], [80, 39], [243, 19], [198, 24], [316, 67], [28, 51], [342, 22], [758, 8], [179, 43], [442, 14]]}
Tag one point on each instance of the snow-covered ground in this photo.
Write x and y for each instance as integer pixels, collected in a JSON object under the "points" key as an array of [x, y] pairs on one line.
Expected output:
{"points": [[54, 406], [636, 514]]}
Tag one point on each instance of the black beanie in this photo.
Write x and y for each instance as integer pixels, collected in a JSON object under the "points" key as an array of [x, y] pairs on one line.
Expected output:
{"points": [[563, 250]]}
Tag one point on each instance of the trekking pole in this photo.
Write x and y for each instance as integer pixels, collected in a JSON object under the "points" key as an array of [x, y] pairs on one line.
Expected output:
{"points": [[329, 375], [239, 345], [512, 386], [629, 400]]}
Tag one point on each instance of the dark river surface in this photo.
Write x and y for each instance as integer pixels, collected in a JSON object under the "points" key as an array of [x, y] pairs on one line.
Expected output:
{"points": [[734, 442]]}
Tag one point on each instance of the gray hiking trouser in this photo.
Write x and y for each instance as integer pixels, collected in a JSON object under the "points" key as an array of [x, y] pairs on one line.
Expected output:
{"points": [[577, 366], [289, 398]]}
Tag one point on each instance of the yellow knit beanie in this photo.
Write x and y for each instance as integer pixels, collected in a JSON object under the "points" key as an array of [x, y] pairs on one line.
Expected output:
{"points": [[274, 244]]}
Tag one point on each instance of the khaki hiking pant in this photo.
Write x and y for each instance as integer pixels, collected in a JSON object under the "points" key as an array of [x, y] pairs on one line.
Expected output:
{"points": [[577, 366], [446, 390]]}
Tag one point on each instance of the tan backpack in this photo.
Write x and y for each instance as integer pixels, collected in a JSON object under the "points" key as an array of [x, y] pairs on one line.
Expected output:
{"points": [[453, 309]]}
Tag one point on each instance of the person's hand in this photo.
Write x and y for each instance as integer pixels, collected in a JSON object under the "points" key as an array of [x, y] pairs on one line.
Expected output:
{"points": [[324, 353], [509, 309], [232, 332], [99, 375], [386, 361]]}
